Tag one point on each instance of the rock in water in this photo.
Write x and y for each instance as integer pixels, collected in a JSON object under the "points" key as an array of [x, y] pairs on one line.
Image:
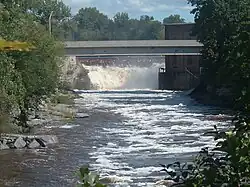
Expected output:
{"points": [[20, 143], [34, 144], [166, 183], [82, 115], [41, 142], [3, 146], [49, 139]]}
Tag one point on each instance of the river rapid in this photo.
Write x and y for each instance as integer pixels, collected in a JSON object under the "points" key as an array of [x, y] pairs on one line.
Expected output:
{"points": [[132, 129]]}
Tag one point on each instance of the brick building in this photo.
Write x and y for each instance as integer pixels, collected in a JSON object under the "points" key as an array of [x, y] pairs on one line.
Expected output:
{"points": [[181, 71]]}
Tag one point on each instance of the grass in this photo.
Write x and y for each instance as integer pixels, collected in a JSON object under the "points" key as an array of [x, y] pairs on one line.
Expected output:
{"points": [[61, 110], [63, 98]]}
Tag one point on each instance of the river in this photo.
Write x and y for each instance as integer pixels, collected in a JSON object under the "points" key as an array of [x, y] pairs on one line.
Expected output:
{"points": [[128, 134]]}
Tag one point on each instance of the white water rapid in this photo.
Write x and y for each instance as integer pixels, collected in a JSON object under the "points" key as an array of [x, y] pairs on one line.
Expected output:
{"points": [[132, 75], [130, 131]]}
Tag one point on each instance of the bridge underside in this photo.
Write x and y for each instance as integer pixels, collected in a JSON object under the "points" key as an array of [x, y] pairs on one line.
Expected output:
{"points": [[133, 51]]}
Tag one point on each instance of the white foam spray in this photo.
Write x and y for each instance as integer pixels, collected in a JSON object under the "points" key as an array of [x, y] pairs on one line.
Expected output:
{"points": [[128, 77]]}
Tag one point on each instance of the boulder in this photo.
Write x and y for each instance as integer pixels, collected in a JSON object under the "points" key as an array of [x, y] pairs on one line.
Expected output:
{"points": [[3, 145], [34, 145], [49, 139], [40, 141], [81, 115], [19, 143], [112, 179], [168, 183]]}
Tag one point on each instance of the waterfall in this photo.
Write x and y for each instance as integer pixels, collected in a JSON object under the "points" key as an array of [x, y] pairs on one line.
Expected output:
{"points": [[137, 74]]}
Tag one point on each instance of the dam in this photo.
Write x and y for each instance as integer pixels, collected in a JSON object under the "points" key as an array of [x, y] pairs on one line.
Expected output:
{"points": [[182, 65]]}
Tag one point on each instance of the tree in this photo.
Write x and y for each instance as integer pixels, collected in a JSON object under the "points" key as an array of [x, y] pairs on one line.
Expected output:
{"points": [[173, 19], [150, 29], [27, 77], [91, 24], [121, 26], [41, 10], [224, 29]]}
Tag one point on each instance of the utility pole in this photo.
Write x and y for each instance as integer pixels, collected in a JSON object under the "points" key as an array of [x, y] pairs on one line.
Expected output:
{"points": [[50, 26]]}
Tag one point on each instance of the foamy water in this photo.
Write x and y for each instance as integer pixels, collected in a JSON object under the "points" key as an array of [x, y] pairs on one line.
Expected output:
{"points": [[132, 129], [157, 127], [128, 77]]}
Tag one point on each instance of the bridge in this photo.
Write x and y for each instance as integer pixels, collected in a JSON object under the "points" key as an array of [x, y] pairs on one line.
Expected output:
{"points": [[132, 48]]}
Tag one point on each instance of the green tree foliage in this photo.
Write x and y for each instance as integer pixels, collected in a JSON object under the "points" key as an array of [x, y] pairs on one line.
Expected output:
{"points": [[228, 164], [224, 29], [40, 12], [26, 77], [173, 19], [91, 24], [223, 26], [88, 179]]}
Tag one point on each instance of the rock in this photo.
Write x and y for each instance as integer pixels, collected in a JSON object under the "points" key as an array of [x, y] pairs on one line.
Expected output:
{"points": [[111, 179], [81, 115], [42, 144], [74, 75], [3, 145], [34, 144], [19, 143], [165, 183], [49, 139], [36, 122]]}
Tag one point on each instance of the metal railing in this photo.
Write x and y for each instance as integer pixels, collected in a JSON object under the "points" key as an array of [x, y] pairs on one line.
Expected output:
{"points": [[162, 70]]}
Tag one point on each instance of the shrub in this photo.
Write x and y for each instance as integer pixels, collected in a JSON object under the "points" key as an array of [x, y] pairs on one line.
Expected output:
{"points": [[228, 164], [88, 179]]}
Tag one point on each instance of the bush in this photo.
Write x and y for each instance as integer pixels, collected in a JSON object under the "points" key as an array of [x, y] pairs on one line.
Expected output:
{"points": [[26, 77], [88, 179], [228, 164], [60, 98]]}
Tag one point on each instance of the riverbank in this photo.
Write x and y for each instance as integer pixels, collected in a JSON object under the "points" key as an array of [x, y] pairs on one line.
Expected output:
{"points": [[60, 108], [210, 96], [128, 134]]}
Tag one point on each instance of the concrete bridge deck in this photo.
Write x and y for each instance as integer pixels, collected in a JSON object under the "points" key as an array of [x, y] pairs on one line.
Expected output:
{"points": [[132, 47]]}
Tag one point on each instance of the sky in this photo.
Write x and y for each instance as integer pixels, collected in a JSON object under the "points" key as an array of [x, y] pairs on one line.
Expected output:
{"points": [[157, 8]]}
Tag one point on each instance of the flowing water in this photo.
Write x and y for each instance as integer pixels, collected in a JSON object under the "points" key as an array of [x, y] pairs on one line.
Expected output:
{"points": [[132, 129]]}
